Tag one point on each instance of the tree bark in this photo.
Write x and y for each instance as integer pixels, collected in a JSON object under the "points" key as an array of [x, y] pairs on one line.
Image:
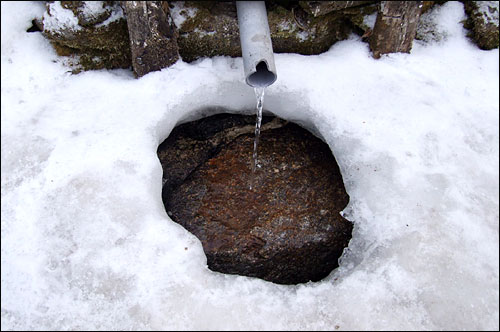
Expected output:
{"points": [[395, 27], [153, 37]]}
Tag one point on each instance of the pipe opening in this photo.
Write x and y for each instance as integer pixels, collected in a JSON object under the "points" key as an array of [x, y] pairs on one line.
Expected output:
{"points": [[262, 76]]}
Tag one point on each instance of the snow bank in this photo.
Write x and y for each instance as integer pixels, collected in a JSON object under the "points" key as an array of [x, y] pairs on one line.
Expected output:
{"points": [[86, 243]]}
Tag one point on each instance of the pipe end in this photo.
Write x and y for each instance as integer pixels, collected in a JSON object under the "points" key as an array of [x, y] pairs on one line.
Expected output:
{"points": [[262, 76]]}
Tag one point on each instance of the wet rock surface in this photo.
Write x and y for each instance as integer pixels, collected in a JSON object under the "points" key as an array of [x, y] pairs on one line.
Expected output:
{"points": [[286, 229]]}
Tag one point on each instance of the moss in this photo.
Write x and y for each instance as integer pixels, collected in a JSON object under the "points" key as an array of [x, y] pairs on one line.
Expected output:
{"points": [[483, 27], [211, 32], [97, 47], [298, 32], [487, 38], [88, 19], [426, 6], [62, 50]]}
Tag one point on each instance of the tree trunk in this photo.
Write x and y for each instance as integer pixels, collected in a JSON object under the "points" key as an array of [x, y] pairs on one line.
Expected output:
{"points": [[153, 38], [395, 27]]}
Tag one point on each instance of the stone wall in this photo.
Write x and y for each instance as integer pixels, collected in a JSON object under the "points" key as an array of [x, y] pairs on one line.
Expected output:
{"points": [[95, 34]]}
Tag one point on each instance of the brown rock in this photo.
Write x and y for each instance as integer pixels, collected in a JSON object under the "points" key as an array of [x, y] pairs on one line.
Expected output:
{"points": [[426, 6], [287, 229], [190, 145], [483, 23], [94, 46], [88, 17], [203, 29], [296, 31], [318, 8], [208, 29]]}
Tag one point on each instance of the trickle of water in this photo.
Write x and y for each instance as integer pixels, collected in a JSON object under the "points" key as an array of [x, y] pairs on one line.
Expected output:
{"points": [[259, 94]]}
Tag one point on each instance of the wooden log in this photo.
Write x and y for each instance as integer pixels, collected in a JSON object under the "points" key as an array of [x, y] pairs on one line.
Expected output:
{"points": [[395, 27], [153, 37]]}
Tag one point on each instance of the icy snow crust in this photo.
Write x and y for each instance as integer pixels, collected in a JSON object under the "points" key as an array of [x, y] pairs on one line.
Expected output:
{"points": [[86, 243]]}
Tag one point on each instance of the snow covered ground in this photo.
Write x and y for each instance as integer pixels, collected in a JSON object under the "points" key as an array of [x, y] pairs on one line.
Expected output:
{"points": [[86, 243]]}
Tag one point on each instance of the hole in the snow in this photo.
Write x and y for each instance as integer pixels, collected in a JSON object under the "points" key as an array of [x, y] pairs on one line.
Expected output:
{"points": [[286, 229], [35, 27]]}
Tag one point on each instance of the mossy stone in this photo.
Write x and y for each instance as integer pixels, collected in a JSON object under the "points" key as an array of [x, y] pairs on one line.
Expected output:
{"points": [[483, 23], [105, 47]]}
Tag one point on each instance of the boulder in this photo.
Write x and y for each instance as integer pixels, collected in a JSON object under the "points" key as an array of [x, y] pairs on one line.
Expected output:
{"points": [[318, 8], [190, 145], [89, 13], [93, 34], [287, 228], [210, 28], [483, 23]]}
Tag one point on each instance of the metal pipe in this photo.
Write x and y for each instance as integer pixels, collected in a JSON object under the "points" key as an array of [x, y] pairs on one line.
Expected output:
{"points": [[256, 45]]}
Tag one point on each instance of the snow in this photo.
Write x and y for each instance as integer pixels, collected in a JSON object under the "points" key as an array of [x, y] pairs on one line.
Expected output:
{"points": [[369, 20], [58, 17], [303, 35], [116, 14], [86, 243], [180, 13], [489, 9], [93, 9], [202, 33]]}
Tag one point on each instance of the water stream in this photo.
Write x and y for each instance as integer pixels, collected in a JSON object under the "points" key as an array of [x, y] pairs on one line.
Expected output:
{"points": [[259, 94]]}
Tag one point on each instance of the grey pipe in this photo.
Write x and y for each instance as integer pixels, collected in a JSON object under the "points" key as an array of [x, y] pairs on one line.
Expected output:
{"points": [[256, 45]]}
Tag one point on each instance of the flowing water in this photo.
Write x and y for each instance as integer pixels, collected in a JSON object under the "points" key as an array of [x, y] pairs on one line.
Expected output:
{"points": [[259, 94]]}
